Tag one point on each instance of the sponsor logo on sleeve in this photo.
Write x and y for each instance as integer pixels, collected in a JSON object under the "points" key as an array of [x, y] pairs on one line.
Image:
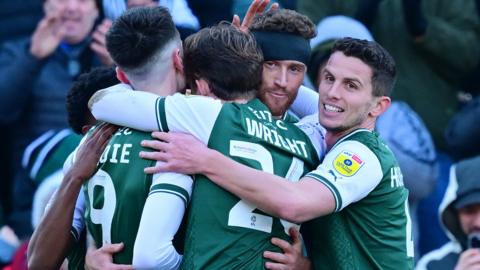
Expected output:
{"points": [[347, 163]]}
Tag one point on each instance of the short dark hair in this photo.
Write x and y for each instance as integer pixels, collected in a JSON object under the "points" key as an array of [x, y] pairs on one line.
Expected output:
{"points": [[81, 91], [227, 58], [284, 20], [376, 57], [138, 34]]}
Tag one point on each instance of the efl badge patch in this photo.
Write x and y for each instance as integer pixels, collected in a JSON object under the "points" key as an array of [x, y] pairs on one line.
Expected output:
{"points": [[347, 163]]}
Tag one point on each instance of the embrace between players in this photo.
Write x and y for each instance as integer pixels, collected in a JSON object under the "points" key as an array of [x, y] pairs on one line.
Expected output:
{"points": [[249, 173]]}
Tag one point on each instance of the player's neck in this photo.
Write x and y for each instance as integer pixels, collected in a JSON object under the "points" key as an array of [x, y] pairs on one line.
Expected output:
{"points": [[163, 88], [241, 100], [332, 136]]}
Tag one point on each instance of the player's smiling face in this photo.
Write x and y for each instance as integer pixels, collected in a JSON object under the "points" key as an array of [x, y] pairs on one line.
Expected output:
{"points": [[345, 94], [280, 83]]}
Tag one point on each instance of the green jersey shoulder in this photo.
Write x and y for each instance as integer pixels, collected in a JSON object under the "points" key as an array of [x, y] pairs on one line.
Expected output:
{"points": [[371, 228]]}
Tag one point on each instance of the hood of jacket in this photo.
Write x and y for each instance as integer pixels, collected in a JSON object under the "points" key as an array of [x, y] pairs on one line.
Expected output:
{"points": [[463, 189]]}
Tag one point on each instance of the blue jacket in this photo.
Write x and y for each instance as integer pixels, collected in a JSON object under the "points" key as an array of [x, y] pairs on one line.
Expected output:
{"points": [[32, 101]]}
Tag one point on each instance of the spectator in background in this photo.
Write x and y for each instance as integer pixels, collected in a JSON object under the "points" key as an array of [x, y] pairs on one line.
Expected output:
{"points": [[470, 84], [17, 21], [463, 131], [460, 215], [434, 42], [183, 17], [36, 74]]}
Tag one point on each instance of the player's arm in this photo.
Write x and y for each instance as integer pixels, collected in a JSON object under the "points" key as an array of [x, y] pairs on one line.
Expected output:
{"points": [[161, 217], [52, 238], [321, 192], [306, 102], [294, 201], [138, 108], [273, 194], [145, 111]]}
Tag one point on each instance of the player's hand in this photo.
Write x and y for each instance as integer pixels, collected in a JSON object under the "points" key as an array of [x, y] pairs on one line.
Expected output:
{"points": [[102, 258], [180, 153], [256, 7], [91, 150], [469, 260], [291, 258], [47, 36], [99, 45]]}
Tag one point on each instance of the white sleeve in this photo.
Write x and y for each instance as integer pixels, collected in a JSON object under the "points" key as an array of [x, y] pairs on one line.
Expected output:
{"points": [[161, 218], [122, 106], [305, 103], [351, 171], [140, 110], [315, 132]]}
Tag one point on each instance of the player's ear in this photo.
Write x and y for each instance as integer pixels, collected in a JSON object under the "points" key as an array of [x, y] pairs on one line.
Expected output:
{"points": [[380, 106], [121, 76], [203, 88], [177, 60]]}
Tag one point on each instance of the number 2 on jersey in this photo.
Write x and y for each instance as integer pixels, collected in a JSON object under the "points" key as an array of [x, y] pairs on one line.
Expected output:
{"points": [[241, 214]]}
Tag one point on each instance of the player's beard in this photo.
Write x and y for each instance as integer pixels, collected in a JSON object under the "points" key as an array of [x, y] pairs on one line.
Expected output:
{"points": [[278, 106]]}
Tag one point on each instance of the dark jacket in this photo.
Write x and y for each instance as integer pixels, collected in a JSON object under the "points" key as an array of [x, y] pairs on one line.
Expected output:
{"points": [[463, 131], [32, 101], [463, 181], [19, 20]]}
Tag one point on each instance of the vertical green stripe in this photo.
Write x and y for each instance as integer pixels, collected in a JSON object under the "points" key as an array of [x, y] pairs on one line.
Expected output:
{"points": [[160, 114]]}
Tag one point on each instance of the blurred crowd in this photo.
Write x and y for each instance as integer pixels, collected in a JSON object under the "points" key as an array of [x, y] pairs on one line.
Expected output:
{"points": [[432, 127]]}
